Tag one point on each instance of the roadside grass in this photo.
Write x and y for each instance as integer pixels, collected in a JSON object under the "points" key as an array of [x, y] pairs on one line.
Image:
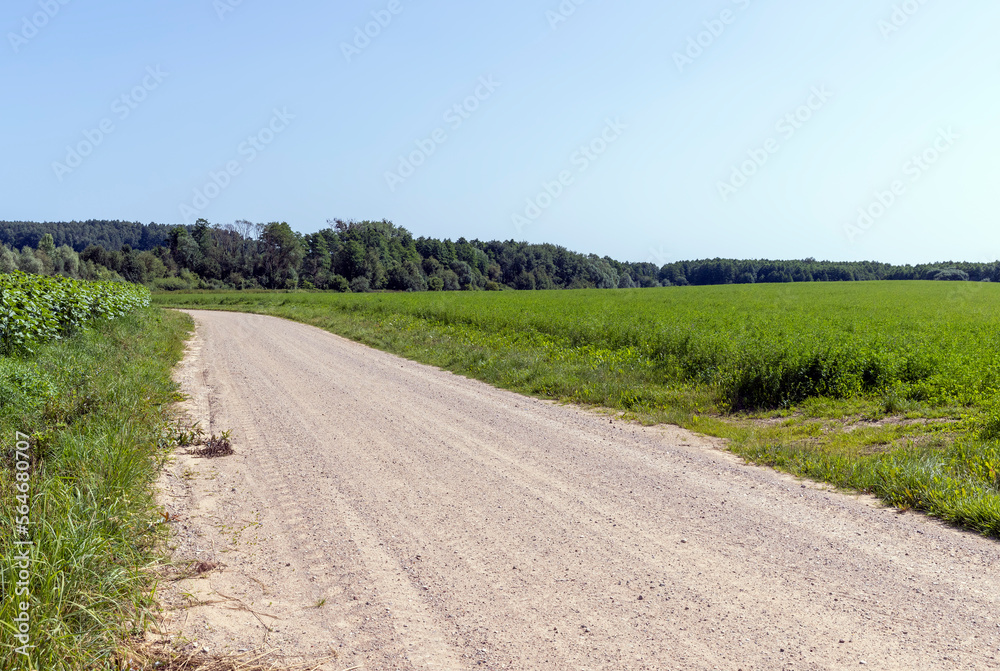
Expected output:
{"points": [[887, 388], [95, 406]]}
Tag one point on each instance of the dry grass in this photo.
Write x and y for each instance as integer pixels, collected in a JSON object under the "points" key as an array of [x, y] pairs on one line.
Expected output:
{"points": [[216, 446], [160, 657]]}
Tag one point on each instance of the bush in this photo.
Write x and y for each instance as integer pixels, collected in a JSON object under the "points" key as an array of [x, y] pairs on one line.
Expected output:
{"points": [[450, 280], [340, 284], [171, 284], [360, 285], [762, 378]]}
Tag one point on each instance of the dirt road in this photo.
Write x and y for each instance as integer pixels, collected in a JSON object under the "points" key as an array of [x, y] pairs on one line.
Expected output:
{"points": [[408, 518]]}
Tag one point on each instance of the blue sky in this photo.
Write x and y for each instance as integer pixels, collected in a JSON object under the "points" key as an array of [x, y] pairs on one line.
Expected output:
{"points": [[642, 130]]}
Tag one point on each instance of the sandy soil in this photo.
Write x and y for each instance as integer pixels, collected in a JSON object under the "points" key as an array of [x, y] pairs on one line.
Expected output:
{"points": [[406, 518]]}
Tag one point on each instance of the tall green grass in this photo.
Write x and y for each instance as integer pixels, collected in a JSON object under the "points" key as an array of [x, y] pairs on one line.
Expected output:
{"points": [[955, 481], [94, 405], [801, 377]]}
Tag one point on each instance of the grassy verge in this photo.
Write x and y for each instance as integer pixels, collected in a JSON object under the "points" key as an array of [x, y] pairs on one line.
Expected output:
{"points": [[94, 406], [926, 441]]}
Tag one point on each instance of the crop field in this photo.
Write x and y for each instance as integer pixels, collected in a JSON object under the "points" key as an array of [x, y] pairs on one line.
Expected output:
{"points": [[884, 387], [36, 309]]}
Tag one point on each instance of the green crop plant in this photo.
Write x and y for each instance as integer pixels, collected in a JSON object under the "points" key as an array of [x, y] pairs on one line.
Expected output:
{"points": [[35, 309]]}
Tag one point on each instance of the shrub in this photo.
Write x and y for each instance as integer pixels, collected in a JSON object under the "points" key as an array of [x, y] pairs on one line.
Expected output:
{"points": [[340, 284], [171, 284]]}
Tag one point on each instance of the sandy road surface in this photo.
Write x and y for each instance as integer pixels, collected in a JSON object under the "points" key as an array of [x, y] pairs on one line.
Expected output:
{"points": [[450, 525]]}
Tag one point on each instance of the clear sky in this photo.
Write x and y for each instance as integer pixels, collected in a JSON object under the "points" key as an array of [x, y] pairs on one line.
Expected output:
{"points": [[640, 129]]}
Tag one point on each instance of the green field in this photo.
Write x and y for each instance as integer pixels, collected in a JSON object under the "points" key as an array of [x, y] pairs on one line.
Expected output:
{"points": [[884, 387]]}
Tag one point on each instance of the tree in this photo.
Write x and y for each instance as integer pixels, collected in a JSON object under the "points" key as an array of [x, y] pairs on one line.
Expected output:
{"points": [[380, 256], [317, 262], [8, 262], [186, 251], [28, 262], [66, 262], [406, 276], [45, 253], [949, 274], [464, 273], [131, 268], [525, 281], [281, 254]]}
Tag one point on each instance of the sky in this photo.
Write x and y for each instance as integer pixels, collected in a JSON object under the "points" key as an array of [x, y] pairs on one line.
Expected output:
{"points": [[642, 130]]}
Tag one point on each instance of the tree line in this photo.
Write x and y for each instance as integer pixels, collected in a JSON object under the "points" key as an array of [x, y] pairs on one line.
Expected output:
{"points": [[378, 255], [79, 234]]}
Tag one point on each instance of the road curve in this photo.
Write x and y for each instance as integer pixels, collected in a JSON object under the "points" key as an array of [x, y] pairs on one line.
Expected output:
{"points": [[407, 518]]}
